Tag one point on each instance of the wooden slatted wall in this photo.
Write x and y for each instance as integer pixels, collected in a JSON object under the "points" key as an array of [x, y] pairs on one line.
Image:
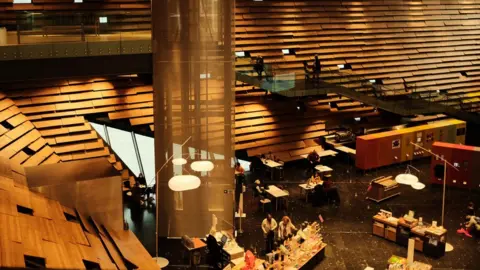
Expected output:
{"points": [[123, 15], [429, 43]]}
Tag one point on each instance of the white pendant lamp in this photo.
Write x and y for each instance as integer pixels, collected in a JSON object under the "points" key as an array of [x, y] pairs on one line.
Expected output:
{"points": [[406, 179], [184, 182], [202, 166], [418, 186], [179, 161]]}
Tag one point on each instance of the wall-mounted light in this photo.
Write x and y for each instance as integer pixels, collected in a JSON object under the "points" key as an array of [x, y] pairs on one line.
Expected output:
{"points": [[240, 54], [357, 119], [103, 19], [22, 1], [77, 1], [288, 51], [345, 66]]}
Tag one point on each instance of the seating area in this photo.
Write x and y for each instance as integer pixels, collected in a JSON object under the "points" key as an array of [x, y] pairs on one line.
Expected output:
{"points": [[41, 233], [429, 46]]}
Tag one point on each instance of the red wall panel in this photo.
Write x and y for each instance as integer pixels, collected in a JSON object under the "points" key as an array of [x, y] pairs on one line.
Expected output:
{"points": [[465, 158]]}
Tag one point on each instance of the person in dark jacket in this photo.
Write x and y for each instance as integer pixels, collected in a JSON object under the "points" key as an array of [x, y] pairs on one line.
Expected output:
{"points": [[259, 66], [317, 68]]}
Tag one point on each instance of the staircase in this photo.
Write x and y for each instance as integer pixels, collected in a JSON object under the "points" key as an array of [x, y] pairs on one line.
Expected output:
{"points": [[291, 85]]}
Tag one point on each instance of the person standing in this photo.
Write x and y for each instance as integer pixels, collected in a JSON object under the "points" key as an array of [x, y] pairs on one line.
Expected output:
{"points": [[307, 71], [285, 228], [317, 68], [269, 225], [259, 66]]}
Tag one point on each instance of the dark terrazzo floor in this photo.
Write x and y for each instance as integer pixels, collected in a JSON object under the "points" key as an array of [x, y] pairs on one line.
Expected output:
{"points": [[347, 228]]}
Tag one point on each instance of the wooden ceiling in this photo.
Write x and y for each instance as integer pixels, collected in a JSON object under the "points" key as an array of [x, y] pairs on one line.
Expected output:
{"points": [[46, 233]]}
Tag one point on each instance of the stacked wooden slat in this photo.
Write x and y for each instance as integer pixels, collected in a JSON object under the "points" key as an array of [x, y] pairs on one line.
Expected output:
{"points": [[123, 15], [20, 140], [278, 126], [45, 233], [432, 45], [56, 114], [57, 109]]}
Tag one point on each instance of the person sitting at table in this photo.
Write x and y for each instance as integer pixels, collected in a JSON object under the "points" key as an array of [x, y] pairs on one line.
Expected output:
{"points": [[285, 228], [258, 190], [317, 179], [269, 155], [269, 225], [313, 158], [330, 190], [473, 224]]}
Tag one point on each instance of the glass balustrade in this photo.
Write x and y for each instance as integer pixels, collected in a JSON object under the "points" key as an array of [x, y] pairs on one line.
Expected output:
{"points": [[48, 34]]}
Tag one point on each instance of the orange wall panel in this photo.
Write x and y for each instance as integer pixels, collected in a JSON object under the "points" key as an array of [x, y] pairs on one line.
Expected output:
{"points": [[390, 147]]}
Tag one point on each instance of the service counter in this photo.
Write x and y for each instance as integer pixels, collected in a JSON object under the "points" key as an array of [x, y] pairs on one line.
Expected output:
{"points": [[430, 240]]}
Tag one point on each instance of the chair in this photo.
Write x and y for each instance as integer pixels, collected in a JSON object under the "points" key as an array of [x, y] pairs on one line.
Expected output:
{"points": [[319, 195], [264, 202], [213, 253]]}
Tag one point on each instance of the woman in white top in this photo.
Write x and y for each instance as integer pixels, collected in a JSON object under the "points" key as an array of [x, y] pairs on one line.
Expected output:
{"points": [[285, 228], [269, 225]]}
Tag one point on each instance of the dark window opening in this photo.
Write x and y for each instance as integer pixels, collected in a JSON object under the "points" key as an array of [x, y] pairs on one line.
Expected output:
{"points": [[34, 262], [70, 217], [463, 73], [439, 171], [28, 151], [91, 265], [25, 210], [461, 131], [6, 125]]}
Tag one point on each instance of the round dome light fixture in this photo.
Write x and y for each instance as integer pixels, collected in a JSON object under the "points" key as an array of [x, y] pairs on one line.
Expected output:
{"points": [[184, 182], [418, 185], [202, 166], [179, 161], [406, 179]]}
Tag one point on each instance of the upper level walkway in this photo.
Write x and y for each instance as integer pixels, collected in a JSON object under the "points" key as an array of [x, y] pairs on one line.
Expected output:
{"points": [[346, 84]]}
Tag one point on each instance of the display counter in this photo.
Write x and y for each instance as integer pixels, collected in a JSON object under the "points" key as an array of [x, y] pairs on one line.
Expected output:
{"points": [[400, 263], [429, 239]]}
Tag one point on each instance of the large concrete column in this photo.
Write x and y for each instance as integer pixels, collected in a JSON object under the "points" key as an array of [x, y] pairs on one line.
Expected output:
{"points": [[193, 42]]}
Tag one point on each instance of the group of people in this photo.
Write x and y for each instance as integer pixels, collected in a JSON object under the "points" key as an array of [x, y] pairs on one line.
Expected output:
{"points": [[324, 189], [472, 222], [315, 70], [272, 230]]}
